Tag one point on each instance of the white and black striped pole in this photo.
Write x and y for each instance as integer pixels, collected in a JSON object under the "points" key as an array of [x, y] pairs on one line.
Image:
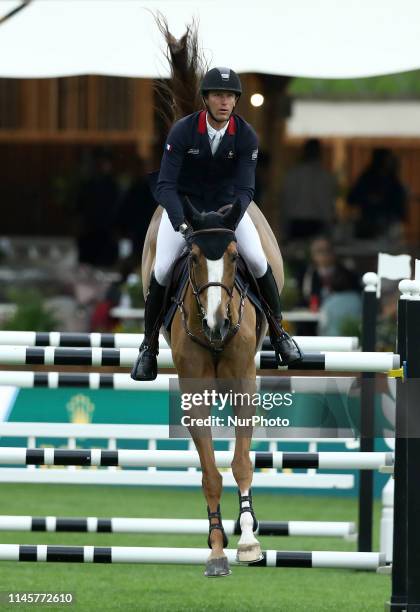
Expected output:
{"points": [[174, 526], [10, 455], [98, 340], [323, 361], [123, 382], [186, 556]]}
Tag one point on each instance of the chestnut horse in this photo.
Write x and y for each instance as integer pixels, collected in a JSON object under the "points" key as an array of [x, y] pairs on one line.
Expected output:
{"points": [[213, 336]]}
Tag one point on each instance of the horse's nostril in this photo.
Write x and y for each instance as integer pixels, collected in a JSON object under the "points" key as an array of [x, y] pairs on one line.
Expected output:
{"points": [[224, 328]]}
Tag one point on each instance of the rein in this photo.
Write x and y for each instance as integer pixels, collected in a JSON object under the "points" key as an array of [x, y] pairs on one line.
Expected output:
{"points": [[197, 290]]}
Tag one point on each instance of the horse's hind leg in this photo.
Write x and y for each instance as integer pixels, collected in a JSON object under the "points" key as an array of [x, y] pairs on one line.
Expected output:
{"points": [[249, 549]]}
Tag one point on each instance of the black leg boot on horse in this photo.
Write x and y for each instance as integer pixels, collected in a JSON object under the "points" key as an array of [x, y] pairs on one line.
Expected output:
{"points": [[145, 367], [286, 349], [216, 566]]}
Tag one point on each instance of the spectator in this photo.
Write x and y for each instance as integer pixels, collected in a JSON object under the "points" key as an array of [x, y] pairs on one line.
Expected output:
{"points": [[379, 196], [324, 267], [342, 306], [97, 203], [308, 195]]}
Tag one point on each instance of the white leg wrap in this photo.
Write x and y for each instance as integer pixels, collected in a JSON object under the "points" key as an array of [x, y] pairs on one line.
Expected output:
{"points": [[246, 522], [247, 535]]}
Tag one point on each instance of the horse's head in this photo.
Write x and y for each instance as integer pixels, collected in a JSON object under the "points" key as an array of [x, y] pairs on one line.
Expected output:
{"points": [[212, 265]]}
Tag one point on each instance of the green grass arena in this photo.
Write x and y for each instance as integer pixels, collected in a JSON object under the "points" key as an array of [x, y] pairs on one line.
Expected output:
{"points": [[184, 588]]}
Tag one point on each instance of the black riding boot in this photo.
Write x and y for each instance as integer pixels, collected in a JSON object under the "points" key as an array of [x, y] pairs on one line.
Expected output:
{"points": [[145, 367], [286, 349]]}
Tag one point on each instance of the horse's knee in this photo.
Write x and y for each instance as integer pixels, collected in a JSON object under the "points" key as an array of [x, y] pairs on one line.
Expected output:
{"points": [[212, 482], [241, 463]]}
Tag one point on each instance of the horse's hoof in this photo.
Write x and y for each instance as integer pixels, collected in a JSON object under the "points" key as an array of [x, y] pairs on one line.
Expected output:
{"points": [[249, 553], [217, 567]]}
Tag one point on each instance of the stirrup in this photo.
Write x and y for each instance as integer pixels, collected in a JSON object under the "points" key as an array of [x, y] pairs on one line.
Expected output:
{"points": [[218, 525], [242, 509]]}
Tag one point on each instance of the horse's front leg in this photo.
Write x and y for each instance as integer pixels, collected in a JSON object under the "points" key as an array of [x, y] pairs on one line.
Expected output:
{"points": [[212, 482], [196, 372]]}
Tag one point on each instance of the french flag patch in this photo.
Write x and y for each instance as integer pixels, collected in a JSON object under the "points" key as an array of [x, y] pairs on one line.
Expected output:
{"points": [[169, 147]]}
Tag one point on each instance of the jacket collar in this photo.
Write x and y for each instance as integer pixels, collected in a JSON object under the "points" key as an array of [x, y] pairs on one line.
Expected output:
{"points": [[202, 124]]}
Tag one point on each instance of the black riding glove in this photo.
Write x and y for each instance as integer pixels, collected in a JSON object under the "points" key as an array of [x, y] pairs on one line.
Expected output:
{"points": [[186, 231]]}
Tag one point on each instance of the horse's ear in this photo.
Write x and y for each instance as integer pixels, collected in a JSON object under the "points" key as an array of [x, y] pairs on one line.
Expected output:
{"points": [[231, 217], [190, 212]]}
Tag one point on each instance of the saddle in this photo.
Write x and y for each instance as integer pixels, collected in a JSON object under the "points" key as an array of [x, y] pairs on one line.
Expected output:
{"points": [[179, 279]]}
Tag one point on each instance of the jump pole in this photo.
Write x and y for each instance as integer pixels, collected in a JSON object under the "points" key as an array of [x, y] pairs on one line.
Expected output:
{"points": [[186, 556], [325, 361], [97, 340], [96, 380], [172, 526], [10, 455]]}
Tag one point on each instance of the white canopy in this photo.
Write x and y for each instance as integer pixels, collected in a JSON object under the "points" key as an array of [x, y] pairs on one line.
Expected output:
{"points": [[308, 38]]}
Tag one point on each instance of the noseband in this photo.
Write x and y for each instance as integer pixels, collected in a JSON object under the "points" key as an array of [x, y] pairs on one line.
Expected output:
{"points": [[198, 289]]}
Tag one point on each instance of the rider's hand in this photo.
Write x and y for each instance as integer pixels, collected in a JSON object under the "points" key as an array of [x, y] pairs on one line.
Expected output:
{"points": [[186, 232]]}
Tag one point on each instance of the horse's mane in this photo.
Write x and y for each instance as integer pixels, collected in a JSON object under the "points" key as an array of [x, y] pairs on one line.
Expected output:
{"points": [[180, 94]]}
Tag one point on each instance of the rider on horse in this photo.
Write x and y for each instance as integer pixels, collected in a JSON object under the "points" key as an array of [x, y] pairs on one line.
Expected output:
{"points": [[210, 156]]}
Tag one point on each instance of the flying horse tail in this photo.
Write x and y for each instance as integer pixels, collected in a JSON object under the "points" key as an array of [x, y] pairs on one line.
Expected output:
{"points": [[180, 94]]}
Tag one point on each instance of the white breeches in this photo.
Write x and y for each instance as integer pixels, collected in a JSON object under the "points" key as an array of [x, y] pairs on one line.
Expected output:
{"points": [[170, 244]]}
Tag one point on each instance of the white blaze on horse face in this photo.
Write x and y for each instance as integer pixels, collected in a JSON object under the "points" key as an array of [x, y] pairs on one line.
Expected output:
{"points": [[214, 294]]}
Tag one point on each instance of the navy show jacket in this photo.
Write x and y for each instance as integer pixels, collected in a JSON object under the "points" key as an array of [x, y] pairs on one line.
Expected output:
{"points": [[189, 168]]}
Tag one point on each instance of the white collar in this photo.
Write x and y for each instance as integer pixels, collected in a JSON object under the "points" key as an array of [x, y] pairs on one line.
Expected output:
{"points": [[212, 132]]}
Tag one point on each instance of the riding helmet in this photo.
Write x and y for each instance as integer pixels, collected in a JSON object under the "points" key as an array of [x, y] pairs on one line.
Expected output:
{"points": [[223, 79]]}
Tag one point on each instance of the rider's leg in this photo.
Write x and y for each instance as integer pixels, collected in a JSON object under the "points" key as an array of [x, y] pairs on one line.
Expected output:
{"points": [[249, 245], [169, 245]]}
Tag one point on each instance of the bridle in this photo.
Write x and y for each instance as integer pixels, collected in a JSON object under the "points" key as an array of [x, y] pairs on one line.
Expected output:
{"points": [[198, 289]]}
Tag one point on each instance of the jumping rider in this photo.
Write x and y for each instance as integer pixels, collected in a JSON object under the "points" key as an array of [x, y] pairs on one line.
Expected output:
{"points": [[211, 156]]}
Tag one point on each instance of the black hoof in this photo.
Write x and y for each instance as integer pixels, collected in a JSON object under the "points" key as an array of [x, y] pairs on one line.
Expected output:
{"points": [[145, 367], [216, 568]]}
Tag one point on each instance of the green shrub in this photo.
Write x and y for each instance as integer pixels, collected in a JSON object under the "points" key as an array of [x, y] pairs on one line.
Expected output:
{"points": [[31, 314]]}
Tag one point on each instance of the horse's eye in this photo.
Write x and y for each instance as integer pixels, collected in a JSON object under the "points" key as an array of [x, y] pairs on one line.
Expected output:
{"points": [[194, 258], [234, 256]]}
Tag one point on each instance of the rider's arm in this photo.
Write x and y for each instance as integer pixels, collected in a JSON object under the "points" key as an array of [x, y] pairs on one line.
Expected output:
{"points": [[244, 181], [166, 190]]}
